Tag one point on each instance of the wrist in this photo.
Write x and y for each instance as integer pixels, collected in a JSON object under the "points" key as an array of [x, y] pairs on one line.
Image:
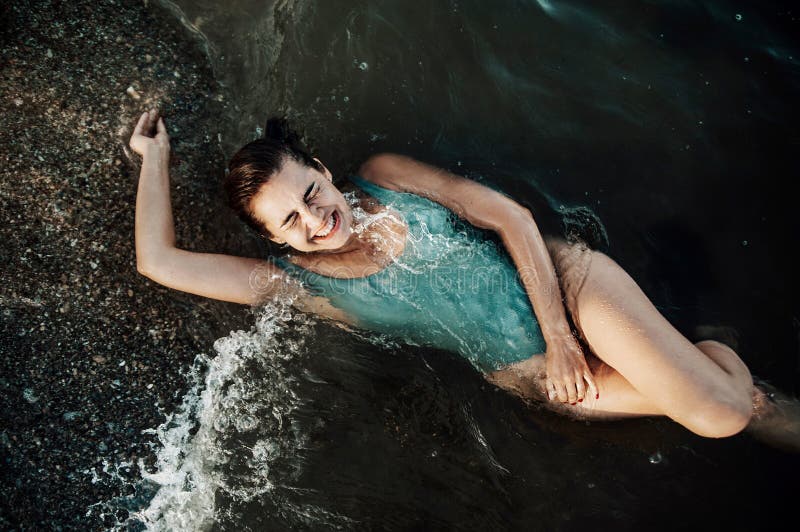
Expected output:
{"points": [[558, 335], [156, 154]]}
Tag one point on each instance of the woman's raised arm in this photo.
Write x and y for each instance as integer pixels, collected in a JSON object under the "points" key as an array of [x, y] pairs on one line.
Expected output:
{"points": [[225, 277]]}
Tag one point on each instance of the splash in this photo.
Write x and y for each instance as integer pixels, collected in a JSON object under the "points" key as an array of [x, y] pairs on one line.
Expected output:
{"points": [[234, 427]]}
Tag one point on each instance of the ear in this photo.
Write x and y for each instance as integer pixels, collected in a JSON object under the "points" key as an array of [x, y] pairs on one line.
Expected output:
{"points": [[325, 171]]}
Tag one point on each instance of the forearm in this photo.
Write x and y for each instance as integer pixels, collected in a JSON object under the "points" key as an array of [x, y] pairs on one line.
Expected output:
{"points": [[527, 248], [155, 228]]}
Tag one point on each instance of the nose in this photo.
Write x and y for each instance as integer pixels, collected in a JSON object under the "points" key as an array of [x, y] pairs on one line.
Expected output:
{"points": [[313, 217]]}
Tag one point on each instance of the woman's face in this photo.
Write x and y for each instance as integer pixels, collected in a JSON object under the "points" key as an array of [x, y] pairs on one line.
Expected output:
{"points": [[300, 206]]}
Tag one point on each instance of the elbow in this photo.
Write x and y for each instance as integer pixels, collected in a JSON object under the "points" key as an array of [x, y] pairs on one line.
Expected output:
{"points": [[152, 261], [145, 268], [522, 213], [377, 165], [514, 216], [148, 266]]}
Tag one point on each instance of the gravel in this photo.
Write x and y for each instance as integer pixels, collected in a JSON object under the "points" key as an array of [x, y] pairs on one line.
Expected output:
{"points": [[91, 352]]}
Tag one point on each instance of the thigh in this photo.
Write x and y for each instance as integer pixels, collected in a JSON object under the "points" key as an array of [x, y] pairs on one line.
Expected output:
{"points": [[624, 329]]}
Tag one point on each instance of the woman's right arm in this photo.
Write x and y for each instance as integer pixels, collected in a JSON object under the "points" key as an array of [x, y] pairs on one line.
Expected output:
{"points": [[225, 277]]}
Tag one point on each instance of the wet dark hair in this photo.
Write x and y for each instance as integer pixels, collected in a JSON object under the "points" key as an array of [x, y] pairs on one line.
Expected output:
{"points": [[255, 163]]}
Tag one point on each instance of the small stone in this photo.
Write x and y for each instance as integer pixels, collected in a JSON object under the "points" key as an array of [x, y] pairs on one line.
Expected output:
{"points": [[100, 359], [71, 416], [132, 93], [148, 57], [18, 102], [49, 53], [117, 162], [29, 396], [130, 292]]}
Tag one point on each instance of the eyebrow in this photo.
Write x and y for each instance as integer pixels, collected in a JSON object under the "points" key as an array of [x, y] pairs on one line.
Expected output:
{"points": [[305, 198]]}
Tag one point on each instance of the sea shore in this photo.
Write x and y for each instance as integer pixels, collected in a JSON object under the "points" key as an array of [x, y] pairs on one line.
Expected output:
{"points": [[92, 354]]}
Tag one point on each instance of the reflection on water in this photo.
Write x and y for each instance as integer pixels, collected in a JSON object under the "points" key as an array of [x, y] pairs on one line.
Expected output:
{"points": [[674, 122]]}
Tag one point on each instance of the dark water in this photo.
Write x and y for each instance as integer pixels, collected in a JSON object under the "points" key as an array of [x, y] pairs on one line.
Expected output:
{"points": [[675, 122]]}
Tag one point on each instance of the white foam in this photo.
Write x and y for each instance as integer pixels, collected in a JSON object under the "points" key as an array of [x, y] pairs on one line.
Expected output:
{"points": [[227, 402]]}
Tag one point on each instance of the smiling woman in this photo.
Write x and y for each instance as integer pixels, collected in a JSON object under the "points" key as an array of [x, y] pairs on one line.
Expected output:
{"points": [[566, 325]]}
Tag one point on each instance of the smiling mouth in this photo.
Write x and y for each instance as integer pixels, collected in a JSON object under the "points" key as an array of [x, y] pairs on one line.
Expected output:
{"points": [[330, 227]]}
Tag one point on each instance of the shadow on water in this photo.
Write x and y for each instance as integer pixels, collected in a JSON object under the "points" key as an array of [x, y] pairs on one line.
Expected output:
{"points": [[673, 122]]}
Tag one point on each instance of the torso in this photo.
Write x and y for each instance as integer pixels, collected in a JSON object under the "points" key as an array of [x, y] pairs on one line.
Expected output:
{"points": [[430, 279]]}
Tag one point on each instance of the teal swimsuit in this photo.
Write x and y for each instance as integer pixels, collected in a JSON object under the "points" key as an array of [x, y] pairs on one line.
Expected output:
{"points": [[451, 288]]}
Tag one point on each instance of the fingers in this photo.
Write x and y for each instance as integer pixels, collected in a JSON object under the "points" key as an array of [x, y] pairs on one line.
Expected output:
{"points": [[160, 127], [572, 393], [138, 130], [580, 386], [552, 390], [592, 385], [559, 392]]}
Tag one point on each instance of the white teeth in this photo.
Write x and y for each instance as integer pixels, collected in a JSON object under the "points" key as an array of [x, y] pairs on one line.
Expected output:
{"points": [[328, 227]]}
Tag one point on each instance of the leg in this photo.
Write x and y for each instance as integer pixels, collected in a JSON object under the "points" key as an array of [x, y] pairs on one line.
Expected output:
{"points": [[650, 368], [704, 387], [619, 399]]}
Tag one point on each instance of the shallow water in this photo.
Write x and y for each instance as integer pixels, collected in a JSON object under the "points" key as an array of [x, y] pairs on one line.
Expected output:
{"points": [[674, 122]]}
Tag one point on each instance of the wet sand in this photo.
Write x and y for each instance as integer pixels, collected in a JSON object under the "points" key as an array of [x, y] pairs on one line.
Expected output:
{"points": [[92, 353]]}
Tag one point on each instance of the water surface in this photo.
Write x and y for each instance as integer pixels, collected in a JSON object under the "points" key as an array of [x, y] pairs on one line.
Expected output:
{"points": [[675, 122]]}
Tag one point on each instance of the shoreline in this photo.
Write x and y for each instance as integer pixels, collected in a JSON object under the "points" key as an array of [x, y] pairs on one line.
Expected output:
{"points": [[93, 353]]}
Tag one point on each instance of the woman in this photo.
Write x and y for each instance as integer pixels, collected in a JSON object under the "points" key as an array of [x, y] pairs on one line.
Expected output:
{"points": [[639, 364]]}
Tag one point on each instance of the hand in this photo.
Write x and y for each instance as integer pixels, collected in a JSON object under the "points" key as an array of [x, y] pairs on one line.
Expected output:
{"points": [[568, 374], [150, 136]]}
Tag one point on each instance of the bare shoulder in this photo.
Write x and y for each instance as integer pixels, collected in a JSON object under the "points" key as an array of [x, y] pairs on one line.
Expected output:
{"points": [[392, 170]]}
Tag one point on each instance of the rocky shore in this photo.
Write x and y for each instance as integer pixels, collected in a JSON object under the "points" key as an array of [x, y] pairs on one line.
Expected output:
{"points": [[92, 353]]}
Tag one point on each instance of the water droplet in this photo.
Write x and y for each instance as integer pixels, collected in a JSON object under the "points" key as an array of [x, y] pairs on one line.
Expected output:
{"points": [[744, 242], [656, 458], [346, 99], [363, 66], [746, 59], [738, 17]]}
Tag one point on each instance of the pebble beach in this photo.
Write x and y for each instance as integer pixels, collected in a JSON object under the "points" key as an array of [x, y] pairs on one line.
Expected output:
{"points": [[91, 352]]}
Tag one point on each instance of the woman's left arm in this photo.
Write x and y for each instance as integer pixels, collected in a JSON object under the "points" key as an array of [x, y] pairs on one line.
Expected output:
{"points": [[568, 375]]}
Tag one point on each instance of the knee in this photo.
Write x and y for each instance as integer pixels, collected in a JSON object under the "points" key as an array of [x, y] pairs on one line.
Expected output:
{"points": [[721, 418]]}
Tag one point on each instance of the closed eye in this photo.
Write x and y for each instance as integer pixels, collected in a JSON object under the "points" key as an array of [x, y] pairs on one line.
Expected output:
{"points": [[311, 192]]}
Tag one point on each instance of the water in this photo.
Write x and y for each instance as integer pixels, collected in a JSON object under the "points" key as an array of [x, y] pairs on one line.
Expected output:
{"points": [[675, 122]]}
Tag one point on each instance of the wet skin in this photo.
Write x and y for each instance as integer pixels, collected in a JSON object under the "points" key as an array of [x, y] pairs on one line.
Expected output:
{"points": [[301, 207]]}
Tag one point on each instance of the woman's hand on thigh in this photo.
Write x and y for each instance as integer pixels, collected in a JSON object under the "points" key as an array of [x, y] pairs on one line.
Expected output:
{"points": [[569, 378]]}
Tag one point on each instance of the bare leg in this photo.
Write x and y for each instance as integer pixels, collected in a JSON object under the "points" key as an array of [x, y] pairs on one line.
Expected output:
{"points": [[705, 388], [650, 368], [619, 399]]}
